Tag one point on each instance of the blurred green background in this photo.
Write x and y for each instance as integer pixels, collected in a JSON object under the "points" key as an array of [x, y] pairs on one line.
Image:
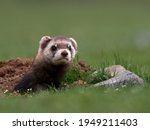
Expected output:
{"points": [[101, 28]]}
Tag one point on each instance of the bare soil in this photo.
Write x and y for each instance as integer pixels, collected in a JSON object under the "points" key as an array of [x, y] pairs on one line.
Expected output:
{"points": [[12, 71]]}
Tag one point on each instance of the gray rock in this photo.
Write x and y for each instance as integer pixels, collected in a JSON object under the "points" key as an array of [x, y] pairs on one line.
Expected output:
{"points": [[119, 76]]}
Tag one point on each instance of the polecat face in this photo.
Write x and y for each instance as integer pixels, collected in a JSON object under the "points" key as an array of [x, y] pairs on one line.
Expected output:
{"points": [[58, 50]]}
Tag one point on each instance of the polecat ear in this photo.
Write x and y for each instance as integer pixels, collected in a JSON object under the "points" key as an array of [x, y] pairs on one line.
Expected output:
{"points": [[74, 43], [44, 41]]}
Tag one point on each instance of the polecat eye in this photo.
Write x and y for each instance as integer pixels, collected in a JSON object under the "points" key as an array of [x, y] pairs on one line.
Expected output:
{"points": [[69, 47], [54, 48]]}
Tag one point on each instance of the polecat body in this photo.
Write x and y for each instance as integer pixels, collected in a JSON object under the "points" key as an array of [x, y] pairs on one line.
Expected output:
{"points": [[52, 61]]}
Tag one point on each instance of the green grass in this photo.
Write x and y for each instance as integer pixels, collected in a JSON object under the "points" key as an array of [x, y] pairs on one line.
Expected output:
{"points": [[112, 32], [81, 100]]}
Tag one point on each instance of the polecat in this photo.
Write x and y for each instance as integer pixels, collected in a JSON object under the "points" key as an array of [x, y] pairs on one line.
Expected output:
{"points": [[54, 57]]}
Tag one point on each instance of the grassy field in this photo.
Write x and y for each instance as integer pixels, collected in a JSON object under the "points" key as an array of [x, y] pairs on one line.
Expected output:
{"points": [[102, 30]]}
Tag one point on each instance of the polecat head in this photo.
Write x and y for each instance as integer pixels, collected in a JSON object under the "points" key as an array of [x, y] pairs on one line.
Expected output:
{"points": [[57, 50]]}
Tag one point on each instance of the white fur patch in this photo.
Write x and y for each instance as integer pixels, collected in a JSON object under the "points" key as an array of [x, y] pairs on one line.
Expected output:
{"points": [[58, 58], [75, 43]]}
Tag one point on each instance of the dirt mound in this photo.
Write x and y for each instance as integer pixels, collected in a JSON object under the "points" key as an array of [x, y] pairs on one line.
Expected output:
{"points": [[12, 71]]}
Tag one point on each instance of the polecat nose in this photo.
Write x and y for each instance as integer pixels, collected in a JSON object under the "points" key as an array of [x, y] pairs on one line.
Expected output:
{"points": [[64, 53]]}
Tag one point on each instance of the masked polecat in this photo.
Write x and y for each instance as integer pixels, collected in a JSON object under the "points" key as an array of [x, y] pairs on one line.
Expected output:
{"points": [[54, 57]]}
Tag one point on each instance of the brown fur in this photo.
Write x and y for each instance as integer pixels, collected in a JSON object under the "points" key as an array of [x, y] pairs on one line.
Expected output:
{"points": [[41, 76]]}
